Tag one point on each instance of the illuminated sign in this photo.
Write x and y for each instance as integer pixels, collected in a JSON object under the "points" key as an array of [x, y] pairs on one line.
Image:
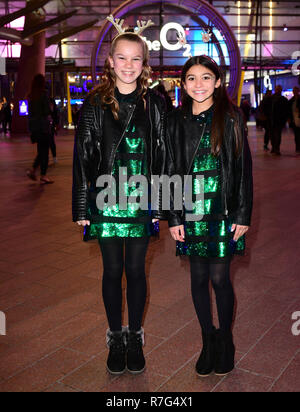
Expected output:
{"points": [[267, 82], [86, 87], [296, 56], [156, 44], [23, 108], [76, 89]]}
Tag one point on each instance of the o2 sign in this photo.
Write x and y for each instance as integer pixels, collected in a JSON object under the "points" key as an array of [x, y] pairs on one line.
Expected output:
{"points": [[267, 82], [86, 87], [156, 44], [296, 56]]}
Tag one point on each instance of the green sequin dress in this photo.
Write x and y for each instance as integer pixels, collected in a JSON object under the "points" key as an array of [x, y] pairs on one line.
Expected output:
{"points": [[132, 222], [211, 237]]}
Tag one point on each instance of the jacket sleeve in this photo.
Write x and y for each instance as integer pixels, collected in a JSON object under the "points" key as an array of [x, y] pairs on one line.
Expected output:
{"points": [[81, 157], [245, 184], [174, 216]]}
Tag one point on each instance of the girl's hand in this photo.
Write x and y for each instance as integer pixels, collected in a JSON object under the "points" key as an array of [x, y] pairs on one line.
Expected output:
{"points": [[83, 223], [177, 233], [155, 220], [239, 231]]}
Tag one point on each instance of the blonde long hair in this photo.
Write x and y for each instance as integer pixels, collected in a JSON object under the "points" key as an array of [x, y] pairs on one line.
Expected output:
{"points": [[106, 89]]}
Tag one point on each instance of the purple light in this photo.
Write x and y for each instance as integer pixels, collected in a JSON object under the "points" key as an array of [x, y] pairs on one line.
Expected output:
{"points": [[23, 108]]}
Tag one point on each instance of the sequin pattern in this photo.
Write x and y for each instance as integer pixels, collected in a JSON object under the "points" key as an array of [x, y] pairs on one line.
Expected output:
{"points": [[135, 165], [210, 237]]}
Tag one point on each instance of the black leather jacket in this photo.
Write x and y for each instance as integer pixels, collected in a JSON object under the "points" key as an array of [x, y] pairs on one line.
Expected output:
{"points": [[98, 137], [183, 138]]}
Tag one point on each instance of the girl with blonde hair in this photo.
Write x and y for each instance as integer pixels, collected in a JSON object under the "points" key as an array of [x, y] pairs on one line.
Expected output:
{"points": [[120, 127]]}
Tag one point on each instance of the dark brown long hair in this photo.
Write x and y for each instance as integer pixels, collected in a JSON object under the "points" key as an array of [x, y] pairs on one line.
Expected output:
{"points": [[222, 102], [106, 89]]}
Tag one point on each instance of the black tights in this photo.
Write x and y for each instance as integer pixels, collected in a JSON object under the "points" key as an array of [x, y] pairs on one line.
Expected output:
{"points": [[42, 157], [219, 274], [113, 264]]}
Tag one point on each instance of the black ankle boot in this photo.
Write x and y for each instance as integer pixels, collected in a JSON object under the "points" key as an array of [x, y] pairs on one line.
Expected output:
{"points": [[135, 357], [206, 361], [116, 362], [225, 350]]}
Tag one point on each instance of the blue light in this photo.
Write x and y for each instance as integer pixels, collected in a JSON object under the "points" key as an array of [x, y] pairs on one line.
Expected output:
{"points": [[75, 89], [23, 107], [77, 101], [177, 90], [85, 85]]}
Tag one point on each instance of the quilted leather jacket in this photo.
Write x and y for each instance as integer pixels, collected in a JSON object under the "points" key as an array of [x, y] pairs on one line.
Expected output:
{"points": [[97, 140], [182, 141]]}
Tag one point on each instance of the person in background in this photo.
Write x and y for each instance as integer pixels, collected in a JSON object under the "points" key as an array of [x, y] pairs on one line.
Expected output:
{"points": [[1, 114], [294, 116], [246, 109], [6, 115], [54, 126], [75, 115], [39, 119], [162, 90], [278, 118], [265, 110]]}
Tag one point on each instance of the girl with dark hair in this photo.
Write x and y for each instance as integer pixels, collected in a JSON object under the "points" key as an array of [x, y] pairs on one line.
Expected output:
{"points": [[120, 126], [206, 137], [39, 117]]}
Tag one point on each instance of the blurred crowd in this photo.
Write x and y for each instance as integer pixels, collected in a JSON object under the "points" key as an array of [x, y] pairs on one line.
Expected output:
{"points": [[5, 115], [273, 114]]}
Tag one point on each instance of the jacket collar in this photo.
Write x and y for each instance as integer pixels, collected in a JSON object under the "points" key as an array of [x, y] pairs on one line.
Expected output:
{"points": [[130, 98], [188, 112]]}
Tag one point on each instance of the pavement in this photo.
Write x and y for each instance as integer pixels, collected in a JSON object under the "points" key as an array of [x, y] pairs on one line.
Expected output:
{"points": [[50, 288]]}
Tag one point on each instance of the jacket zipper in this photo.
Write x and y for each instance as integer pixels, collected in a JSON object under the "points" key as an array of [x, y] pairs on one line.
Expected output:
{"points": [[202, 134], [197, 149], [226, 208], [225, 189], [151, 130], [128, 121]]}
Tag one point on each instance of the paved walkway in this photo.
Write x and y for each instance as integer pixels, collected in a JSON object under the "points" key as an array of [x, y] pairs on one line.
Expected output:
{"points": [[50, 289]]}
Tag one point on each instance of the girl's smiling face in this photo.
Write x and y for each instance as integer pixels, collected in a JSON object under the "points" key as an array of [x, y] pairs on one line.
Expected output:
{"points": [[200, 84], [127, 62]]}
